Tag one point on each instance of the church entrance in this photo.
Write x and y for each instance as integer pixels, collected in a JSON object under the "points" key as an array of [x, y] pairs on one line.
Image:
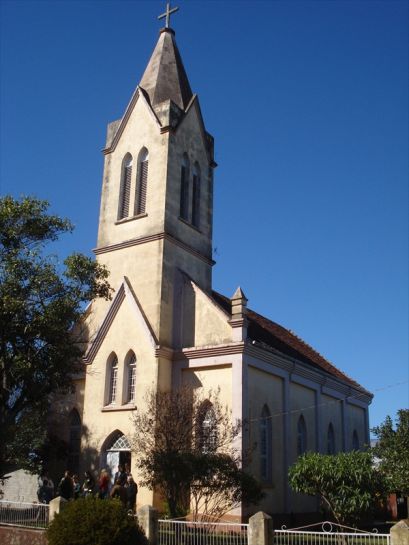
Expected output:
{"points": [[116, 450]]}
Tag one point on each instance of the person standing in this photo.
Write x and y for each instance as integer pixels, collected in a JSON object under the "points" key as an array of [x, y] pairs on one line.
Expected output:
{"points": [[120, 475], [88, 484], [118, 491], [103, 484], [66, 487], [131, 489]]}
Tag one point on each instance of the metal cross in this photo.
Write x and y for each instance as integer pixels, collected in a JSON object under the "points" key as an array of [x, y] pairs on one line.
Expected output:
{"points": [[167, 14]]}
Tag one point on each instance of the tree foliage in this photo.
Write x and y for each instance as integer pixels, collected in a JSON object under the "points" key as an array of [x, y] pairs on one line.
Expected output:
{"points": [[190, 464], [392, 451], [90, 521], [41, 301], [347, 483]]}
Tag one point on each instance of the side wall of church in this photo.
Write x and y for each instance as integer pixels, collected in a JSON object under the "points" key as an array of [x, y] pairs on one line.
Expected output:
{"points": [[266, 390], [357, 421], [331, 413]]}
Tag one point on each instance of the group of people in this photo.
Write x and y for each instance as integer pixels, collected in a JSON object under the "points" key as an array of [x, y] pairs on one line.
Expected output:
{"points": [[70, 488]]}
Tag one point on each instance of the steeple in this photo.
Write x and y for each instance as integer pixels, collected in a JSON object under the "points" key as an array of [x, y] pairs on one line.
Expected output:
{"points": [[165, 77]]}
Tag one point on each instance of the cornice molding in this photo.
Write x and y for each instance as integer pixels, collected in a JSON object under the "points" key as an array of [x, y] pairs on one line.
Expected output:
{"points": [[153, 238], [211, 351]]}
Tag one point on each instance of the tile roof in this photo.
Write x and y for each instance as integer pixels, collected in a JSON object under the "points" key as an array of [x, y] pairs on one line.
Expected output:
{"points": [[263, 330]]}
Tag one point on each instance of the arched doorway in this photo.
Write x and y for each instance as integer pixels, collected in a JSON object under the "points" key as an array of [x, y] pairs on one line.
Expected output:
{"points": [[115, 450]]}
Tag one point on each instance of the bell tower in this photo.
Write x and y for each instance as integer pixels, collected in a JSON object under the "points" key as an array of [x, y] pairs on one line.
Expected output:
{"points": [[156, 214]]}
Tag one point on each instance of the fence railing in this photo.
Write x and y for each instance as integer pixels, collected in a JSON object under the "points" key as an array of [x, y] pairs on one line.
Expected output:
{"points": [[330, 534], [30, 515], [177, 532]]}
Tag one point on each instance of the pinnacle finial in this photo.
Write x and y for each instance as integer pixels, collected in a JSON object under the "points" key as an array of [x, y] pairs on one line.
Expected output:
{"points": [[167, 14]]}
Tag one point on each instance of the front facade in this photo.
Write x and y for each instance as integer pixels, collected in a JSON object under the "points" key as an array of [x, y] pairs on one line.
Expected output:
{"points": [[166, 327]]}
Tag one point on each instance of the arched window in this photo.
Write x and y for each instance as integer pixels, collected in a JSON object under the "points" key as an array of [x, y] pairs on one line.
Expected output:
{"points": [[142, 185], [196, 196], [207, 428], [74, 443], [131, 376], [265, 445], [113, 380], [355, 441], [330, 440], [125, 192], [184, 188], [301, 436]]}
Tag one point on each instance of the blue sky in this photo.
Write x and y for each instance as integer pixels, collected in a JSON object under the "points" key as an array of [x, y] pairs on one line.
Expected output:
{"points": [[308, 104]]}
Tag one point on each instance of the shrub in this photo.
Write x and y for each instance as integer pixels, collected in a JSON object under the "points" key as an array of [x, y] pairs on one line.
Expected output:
{"points": [[89, 521]]}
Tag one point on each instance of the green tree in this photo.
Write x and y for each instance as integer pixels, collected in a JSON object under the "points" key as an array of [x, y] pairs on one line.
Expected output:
{"points": [[41, 332], [347, 483], [184, 446], [392, 451], [90, 521]]}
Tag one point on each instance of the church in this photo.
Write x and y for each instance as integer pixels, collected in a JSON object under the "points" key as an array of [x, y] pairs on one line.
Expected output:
{"points": [[165, 325]]}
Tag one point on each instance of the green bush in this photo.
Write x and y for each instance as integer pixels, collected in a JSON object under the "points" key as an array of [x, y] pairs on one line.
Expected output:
{"points": [[89, 521]]}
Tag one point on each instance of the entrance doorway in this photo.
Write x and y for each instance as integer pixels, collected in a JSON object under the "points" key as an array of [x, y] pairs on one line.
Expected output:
{"points": [[117, 451]]}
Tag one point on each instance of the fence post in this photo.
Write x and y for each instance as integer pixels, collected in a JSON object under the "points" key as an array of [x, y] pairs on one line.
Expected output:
{"points": [[148, 520], [56, 506], [260, 530], [400, 533]]}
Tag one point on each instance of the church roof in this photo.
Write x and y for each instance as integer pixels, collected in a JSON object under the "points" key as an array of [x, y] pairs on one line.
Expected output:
{"points": [[165, 76], [263, 330]]}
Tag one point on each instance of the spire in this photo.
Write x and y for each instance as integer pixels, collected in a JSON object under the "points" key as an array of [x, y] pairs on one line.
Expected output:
{"points": [[165, 77]]}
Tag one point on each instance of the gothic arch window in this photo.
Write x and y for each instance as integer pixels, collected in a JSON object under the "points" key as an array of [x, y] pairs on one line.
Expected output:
{"points": [[207, 428], [330, 439], [184, 188], [355, 441], [265, 445], [125, 191], [301, 436], [112, 377], [130, 366], [142, 184], [74, 441], [196, 196]]}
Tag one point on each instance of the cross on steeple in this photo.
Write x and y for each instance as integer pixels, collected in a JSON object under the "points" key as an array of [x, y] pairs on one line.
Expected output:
{"points": [[167, 13]]}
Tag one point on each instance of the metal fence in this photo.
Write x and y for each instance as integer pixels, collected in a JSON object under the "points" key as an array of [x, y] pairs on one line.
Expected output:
{"points": [[30, 515], [330, 534], [177, 532]]}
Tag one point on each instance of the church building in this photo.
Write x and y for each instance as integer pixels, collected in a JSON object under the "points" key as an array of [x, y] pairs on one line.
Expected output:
{"points": [[165, 325]]}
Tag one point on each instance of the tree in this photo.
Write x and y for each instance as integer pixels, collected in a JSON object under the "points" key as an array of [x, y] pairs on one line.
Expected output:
{"points": [[185, 446], [347, 483], [41, 333], [392, 451]]}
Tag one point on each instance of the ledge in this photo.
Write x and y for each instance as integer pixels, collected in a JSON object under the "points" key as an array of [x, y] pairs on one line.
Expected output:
{"points": [[131, 218], [115, 408], [186, 222]]}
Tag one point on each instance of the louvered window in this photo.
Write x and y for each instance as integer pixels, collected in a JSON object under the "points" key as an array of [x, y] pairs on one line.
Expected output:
{"points": [[142, 186], [113, 382], [196, 196], [125, 187], [184, 189]]}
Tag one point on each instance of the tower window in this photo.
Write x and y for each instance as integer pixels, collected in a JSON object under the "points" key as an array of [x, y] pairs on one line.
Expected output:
{"points": [[196, 196], [301, 436], [74, 445], [142, 185], [184, 188], [113, 381], [126, 179], [265, 445], [131, 365]]}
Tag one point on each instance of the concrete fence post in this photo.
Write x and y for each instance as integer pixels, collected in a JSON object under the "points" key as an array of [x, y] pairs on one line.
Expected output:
{"points": [[56, 506], [260, 529], [148, 520], [400, 533]]}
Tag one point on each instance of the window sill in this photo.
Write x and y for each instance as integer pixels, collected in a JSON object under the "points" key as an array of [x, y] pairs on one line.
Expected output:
{"points": [[125, 220], [186, 222], [114, 408]]}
